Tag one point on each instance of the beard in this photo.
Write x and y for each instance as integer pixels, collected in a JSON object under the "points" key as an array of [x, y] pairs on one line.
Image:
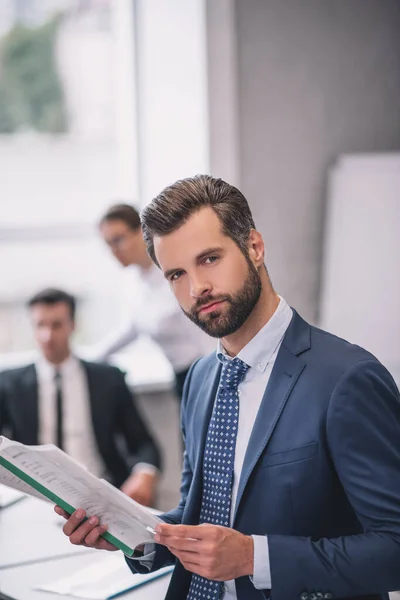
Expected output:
{"points": [[239, 307]]}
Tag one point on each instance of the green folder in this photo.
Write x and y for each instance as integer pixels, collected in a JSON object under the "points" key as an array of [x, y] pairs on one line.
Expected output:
{"points": [[59, 501]]}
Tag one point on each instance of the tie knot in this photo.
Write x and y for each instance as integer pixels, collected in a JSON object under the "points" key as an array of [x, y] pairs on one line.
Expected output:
{"points": [[57, 376], [233, 372]]}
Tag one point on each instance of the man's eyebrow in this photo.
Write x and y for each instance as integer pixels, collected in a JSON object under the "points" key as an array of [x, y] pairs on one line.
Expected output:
{"points": [[207, 252], [198, 258]]}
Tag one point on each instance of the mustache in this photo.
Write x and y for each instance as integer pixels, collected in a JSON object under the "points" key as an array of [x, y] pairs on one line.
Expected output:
{"points": [[200, 302]]}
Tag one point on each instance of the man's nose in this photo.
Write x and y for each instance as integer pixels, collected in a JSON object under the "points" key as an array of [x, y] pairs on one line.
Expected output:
{"points": [[46, 335], [199, 287]]}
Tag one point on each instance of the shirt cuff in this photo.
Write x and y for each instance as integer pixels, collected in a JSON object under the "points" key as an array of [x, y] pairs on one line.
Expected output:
{"points": [[143, 467], [147, 559], [261, 578]]}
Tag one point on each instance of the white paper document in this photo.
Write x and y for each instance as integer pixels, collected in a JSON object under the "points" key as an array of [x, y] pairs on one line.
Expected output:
{"points": [[47, 472], [107, 577]]}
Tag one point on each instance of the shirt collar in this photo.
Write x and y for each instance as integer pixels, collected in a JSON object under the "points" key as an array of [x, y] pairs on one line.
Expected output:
{"points": [[47, 370], [259, 351]]}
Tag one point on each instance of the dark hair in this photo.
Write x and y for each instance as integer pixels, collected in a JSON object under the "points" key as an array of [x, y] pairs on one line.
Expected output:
{"points": [[122, 212], [176, 203], [54, 296]]}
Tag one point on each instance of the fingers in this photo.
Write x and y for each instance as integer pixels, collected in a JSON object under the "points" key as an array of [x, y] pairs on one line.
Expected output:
{"points": [[204, 566], [140, 494], [93, 537], [203, 571], [183, 531], [84, 532], [187, 556], [179, 544], [191, 532], [141, 499], [94, 540], [60, 511], [74, 521], [103, 544]]}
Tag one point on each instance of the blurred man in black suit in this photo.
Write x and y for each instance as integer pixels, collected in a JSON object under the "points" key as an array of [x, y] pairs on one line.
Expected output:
{"points": [[84, 408]]}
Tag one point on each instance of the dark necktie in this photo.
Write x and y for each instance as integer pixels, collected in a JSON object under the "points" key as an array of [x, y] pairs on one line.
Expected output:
{"points": [[219, 459], [59, 410]]}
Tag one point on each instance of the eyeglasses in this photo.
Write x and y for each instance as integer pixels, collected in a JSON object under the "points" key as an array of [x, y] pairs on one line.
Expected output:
{"points": [[117, 241]]}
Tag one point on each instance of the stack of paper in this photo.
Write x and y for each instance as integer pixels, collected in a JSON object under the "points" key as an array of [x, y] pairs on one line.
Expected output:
{"points": [[107, 577], [47, 472]]}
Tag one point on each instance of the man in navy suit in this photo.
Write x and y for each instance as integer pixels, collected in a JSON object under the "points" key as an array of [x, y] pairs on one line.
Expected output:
{"points": [[291, 478]]}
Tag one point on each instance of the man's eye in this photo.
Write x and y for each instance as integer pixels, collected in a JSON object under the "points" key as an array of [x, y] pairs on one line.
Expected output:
{"points": [[175, 276], [210, 259]]}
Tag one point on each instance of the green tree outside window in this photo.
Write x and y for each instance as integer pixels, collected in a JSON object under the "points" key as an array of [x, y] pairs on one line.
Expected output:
{"points": [[31, 94]]}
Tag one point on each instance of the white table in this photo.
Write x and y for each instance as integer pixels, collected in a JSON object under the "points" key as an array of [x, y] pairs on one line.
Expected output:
{"points": [[31, 531], [34, 551], [18, 583]]}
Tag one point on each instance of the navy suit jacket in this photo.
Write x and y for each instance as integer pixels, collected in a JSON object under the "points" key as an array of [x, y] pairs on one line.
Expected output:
{"points": [[321, 475]]}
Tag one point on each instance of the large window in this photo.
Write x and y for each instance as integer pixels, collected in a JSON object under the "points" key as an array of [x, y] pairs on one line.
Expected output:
{"points": [[98, 102], [58, 156]]}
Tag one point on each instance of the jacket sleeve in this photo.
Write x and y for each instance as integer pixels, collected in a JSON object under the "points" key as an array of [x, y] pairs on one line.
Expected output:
{"points": [[163, 556], [363, 432], [115, 341], [140, 444]]}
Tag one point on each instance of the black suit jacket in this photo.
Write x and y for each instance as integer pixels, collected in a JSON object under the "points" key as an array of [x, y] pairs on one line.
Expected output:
{"points": [[120, 432]]}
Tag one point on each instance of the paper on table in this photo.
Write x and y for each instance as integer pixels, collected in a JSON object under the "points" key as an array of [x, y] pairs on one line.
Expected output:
{"points": [[64, 481], [107, 577]]}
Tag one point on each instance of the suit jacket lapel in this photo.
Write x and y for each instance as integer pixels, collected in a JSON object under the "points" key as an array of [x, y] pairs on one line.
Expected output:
{"points": [[96, 407], [201, 410], [285, 373], [30, 404]]}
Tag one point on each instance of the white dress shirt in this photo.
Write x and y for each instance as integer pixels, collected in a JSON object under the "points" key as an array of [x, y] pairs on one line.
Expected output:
{"points": [[78, 434], [260, 354], [157, 314]]}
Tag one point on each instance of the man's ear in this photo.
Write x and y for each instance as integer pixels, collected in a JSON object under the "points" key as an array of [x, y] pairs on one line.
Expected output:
{"points": [[256, 248]]}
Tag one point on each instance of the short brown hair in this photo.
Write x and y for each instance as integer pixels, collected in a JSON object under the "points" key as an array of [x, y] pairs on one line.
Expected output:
{"points": [[51, 296], [122, 212], [179, 201]]}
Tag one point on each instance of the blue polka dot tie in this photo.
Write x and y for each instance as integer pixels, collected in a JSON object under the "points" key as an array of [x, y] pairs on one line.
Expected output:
{"points": [[219, 458]]}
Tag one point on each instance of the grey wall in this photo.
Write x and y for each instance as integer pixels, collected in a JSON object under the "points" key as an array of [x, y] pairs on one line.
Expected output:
{"points": [[314, 79]]}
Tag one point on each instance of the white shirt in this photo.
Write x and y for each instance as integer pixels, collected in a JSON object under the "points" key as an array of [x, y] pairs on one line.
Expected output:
{"points": [[158, 314], [78, 434], [260, 354]]}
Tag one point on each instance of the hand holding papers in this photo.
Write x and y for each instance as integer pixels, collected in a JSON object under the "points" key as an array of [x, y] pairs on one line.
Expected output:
{"points": [[48, 473]]}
